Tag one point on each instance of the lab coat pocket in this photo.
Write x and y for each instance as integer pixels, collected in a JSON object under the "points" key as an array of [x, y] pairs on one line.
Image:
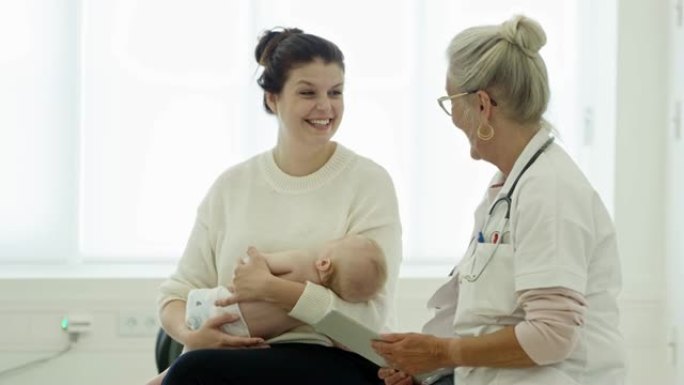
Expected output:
{"points": [[487, 287]]}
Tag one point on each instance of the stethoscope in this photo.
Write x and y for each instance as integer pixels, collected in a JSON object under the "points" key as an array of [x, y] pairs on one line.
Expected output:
{"points": [[506, 199]]}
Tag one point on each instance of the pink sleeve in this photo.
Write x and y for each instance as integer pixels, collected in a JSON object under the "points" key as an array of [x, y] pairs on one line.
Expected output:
{"points": [[552, 320]]}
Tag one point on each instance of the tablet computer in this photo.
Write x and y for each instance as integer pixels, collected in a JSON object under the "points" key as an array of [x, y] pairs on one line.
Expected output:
{"points": [[352, 334], [357, 338]]}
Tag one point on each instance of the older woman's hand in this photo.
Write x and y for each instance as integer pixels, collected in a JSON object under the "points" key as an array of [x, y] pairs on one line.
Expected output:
{"points": [[414, 353], [394, 377]]}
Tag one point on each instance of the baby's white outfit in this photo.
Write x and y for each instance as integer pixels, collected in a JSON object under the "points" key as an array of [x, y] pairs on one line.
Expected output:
{"points": [[200, 307]]}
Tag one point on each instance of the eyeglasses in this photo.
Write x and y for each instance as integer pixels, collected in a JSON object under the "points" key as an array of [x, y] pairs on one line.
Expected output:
{"points": [[441, 101]]}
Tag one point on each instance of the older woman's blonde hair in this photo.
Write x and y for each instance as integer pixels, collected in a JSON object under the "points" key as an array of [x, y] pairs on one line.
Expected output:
{"points": [[503, 60]]}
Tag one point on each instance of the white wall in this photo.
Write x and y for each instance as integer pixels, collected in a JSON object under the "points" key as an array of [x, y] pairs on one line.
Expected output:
{"points": [[675, 185], [641, 127], [31, 309], [30, 314]]}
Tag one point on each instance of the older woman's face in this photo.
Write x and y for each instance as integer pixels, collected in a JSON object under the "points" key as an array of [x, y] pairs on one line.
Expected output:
{"points": [[464, 116]]}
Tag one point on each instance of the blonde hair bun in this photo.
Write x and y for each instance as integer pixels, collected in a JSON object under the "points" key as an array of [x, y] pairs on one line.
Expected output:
{"points": [[524, 33]]}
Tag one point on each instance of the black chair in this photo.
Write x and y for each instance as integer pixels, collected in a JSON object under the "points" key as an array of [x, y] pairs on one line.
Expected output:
{"points": [[166, 350]]}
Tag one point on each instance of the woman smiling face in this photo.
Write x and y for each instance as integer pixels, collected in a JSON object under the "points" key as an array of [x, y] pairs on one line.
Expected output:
{"points": [[311, 104]]}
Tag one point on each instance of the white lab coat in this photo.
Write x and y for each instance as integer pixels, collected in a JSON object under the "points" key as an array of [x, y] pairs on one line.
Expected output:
{"points": [[559, 235]]}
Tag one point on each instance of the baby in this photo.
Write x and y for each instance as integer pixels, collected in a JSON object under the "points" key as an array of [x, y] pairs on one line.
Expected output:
{"points": [[352, 266]]}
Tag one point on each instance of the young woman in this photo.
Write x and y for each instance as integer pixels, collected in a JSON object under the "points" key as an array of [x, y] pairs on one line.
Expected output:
{"points": [[305, 191]]}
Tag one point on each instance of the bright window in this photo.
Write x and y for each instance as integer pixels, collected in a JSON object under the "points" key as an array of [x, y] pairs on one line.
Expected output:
{"points": [[119, 122]]}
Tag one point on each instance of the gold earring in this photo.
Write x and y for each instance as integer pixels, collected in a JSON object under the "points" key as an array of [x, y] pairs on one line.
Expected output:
{"points": [[489, 135]]}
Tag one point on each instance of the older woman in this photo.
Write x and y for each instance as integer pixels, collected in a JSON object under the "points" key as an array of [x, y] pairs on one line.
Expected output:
{"points": [[533, 301]]}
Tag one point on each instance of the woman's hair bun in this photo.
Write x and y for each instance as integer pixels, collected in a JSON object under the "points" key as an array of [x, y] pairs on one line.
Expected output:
{"points": [[269, 40], [524, 33]]}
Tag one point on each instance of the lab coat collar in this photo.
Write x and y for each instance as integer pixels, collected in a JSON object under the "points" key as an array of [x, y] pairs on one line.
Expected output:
{"points": [[528, 152]]}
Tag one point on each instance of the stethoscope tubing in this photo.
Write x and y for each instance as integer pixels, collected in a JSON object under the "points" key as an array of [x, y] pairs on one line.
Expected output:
{"points": [[500, 228]]}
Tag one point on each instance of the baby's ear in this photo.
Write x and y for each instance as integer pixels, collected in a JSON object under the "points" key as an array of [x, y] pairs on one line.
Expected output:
{"points": [[323, 264]]}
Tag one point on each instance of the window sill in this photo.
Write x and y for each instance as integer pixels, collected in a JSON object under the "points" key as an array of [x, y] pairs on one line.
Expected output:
{"points": [[158, 270], [87, 270]]}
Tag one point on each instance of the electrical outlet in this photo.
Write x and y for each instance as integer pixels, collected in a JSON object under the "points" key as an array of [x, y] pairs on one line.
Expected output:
{"points": [[138, 323]]}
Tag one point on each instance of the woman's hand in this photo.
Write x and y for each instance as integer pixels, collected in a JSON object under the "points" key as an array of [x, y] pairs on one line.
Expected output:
{"points": [[414, 353], [211, 336], [251, 280], [394, 377]]}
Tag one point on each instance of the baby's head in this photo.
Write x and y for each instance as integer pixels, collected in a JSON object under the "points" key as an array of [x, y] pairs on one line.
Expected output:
{"points": [[353, 267]]}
